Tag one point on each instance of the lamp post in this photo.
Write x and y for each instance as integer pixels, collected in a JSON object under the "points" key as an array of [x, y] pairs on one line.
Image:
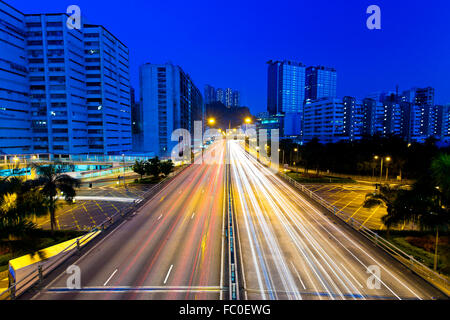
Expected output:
{"points": [[381, 166], [296, 158], [282, 159]]}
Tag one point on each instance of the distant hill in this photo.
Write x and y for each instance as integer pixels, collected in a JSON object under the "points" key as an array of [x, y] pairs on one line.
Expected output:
{"points": [[225, 117]]}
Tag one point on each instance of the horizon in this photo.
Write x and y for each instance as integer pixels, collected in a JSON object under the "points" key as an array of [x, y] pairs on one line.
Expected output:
{"points": [[338, 38]]}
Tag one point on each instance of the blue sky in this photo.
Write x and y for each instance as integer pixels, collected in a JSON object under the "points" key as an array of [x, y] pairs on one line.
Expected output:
{"points": [[227, 43]]}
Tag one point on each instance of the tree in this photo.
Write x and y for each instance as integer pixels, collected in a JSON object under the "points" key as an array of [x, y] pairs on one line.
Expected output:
{"points": [[19, 201], [152, 167], [385, 195], [139, 167], [440, 171], [52, 181], [166, 167]]}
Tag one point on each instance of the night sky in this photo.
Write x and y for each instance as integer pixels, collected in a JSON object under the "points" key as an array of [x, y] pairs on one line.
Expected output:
{"points": [[227, 43]]}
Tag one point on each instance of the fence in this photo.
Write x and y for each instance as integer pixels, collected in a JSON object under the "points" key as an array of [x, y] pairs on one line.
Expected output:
{"points": [[37, 275]]}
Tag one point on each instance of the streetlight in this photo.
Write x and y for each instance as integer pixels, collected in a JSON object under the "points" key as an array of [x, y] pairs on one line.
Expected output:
{"points": [[282, 161], [381, 168], [296, 158], [387, 168], [211, 121], [248, 120]]}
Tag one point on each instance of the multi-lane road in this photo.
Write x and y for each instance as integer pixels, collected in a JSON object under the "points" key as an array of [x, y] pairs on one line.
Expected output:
{"points": [[174, 247], [170, 249]]}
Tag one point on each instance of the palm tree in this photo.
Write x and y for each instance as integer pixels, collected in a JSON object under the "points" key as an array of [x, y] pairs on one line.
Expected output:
{"points": [[52, 181], [166, 167], [19, 201], [385, 195], [152, 167], [139, 167]]}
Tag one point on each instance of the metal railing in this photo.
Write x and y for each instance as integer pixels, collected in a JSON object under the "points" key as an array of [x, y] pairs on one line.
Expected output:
{"points": [[409, 261], [36, 276], [434, 278]]}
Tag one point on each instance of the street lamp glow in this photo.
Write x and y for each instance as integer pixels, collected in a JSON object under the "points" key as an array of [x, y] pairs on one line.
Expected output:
{"points": [[388, 159], [376, 157], [295, 150], [15, 159], [211, 121], [248, 120]]}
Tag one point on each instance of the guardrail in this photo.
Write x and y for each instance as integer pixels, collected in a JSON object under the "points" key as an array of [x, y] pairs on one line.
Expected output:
{"points": [[36, 276], [409, 261], [435, 279], [232, 255]]}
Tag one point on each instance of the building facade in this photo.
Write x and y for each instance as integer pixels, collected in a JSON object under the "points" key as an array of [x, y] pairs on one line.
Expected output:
{"points": [[169, 101], [324, 120], [285, 87], [74, 95], [108, 92], [320, 82], [15, 116]]}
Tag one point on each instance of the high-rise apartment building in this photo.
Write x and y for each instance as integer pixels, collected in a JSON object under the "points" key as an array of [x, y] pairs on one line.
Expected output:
{"points": [[320, 82], [443, 122], [209, 94], [220, 95], [228, 97], [15, 125], [353, 118], [108, 92], [285, 87], [236, 99], [169, 101], [57, 85], [76, 86], [324, 119]]}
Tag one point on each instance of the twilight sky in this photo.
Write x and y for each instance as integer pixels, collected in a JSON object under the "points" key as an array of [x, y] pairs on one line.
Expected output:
{"points": [[227, 43]]}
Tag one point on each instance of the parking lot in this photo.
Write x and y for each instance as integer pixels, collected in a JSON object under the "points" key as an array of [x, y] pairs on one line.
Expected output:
{"points": [[349, 199], [104, 202]]}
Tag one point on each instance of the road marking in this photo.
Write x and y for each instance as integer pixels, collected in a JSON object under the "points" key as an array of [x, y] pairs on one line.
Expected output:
{"points": [[168, 273], [110, 277], [354, 213], [298, 276], [351, 275], [159, 217], [193, 214], [370, 216]]}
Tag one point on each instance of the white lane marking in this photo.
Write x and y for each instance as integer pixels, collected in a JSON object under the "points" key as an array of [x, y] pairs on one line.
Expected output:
{"points": [[351, 275], [159, 217], [110, 277], [168, 273], [298, 276], [193, 214]]}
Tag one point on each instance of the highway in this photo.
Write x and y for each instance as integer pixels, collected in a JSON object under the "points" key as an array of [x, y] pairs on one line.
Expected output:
{"points": [[173, 247], [170, 249], [290, 250]]}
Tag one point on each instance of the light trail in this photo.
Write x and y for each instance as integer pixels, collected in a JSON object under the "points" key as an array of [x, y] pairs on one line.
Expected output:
{"points": [[279, 225]]}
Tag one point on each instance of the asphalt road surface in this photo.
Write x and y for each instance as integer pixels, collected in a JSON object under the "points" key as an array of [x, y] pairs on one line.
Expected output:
{"points": [[171, 248], [291, 250]]}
